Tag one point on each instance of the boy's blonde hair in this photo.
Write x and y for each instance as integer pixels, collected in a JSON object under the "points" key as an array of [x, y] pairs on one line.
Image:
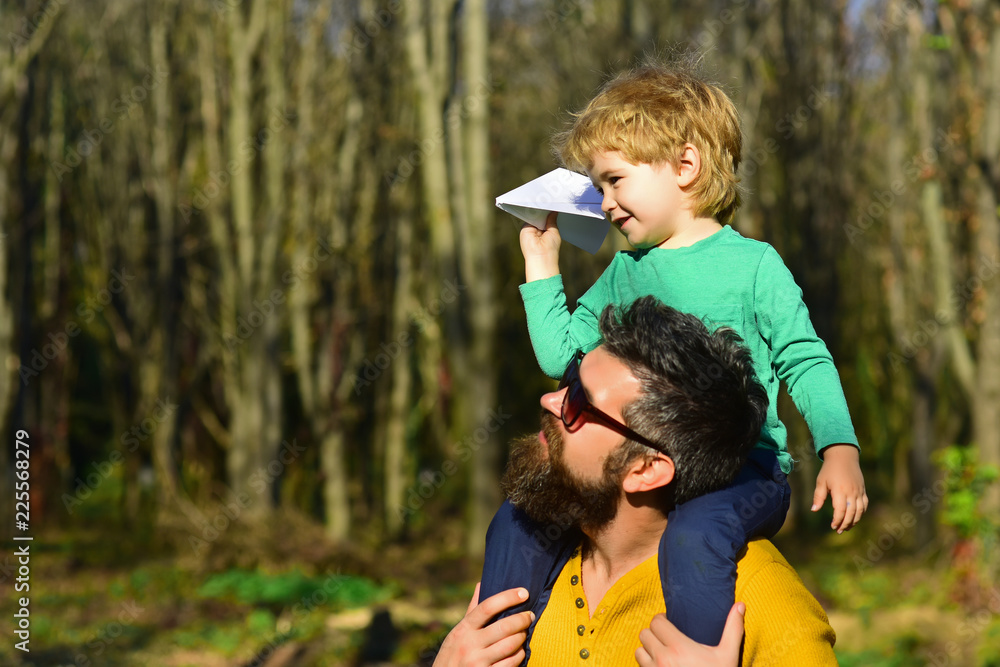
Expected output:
{"points": [[648, 114]]}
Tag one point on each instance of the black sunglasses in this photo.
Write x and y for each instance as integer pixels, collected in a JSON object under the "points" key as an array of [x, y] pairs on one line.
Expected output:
{"points": [[575, 403]]}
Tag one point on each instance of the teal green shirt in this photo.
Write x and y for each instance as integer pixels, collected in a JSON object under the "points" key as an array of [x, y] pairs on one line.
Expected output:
{"points": [[726, 280]]}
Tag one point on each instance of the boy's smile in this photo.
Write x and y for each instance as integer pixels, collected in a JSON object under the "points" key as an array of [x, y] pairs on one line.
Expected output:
{"points": [[647, 202], [643, 201]]}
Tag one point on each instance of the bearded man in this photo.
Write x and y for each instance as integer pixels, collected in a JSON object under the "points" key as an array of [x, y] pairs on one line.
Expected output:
{"points": [[604, 491]]}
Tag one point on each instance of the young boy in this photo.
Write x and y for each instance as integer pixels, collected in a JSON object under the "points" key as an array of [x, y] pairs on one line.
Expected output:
{"points": [[663, 147]]}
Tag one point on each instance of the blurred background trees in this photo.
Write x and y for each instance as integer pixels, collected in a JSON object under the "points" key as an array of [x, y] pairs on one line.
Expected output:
{"points": [[249, 253]]}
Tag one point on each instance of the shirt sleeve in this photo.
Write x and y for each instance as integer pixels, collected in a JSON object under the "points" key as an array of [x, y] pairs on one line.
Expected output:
{"points": [[784, 624], [800, 359], [555, 334]]}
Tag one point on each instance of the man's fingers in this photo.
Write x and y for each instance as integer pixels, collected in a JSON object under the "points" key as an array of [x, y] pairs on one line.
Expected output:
{"points": [[663, 630], [732, 636], [550, 220], [474, 602], [506, 627], [512, 661], [493, 605], [504, 648], [644, 658]]}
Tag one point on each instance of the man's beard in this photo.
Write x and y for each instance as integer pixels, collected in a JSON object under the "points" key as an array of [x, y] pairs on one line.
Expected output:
{"points": [[547, 491]]}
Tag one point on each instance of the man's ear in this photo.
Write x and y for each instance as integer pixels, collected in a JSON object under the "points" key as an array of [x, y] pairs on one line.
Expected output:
{"points": [[648, 475], [689, 166]]}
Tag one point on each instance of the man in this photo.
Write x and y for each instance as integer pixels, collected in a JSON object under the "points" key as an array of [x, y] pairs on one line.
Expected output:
{"points": [[693, 409]]}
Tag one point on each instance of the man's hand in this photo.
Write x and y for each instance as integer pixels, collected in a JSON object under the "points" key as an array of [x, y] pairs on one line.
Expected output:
{"points": [[541, 249], [473, 643], [663, 645], [841, 477]]}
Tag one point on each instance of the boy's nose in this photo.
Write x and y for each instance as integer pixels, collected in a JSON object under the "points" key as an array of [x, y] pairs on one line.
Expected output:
{"points": [[608, 203]]}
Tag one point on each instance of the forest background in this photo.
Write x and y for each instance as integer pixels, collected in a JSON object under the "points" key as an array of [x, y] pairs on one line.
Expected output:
{"points": [[261, 337]]}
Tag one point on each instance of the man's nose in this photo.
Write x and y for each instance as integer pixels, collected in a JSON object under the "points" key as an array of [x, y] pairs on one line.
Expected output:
{"points": [[553, 401]]}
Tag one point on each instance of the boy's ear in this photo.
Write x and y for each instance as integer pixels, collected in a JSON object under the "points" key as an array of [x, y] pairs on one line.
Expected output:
{"points": [[648, 475], [689, 166]]}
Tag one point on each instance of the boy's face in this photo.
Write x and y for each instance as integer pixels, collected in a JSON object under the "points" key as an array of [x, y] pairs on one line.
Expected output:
{"points": [[643, 201]]}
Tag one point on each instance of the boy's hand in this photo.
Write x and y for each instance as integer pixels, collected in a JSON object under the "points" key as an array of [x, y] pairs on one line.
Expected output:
{"points": [[475, 642], [841, 477], [541, 249], [663, 645]]}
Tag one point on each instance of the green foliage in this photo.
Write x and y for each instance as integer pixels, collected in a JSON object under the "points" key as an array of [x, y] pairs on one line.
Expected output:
{"points": [[965, 482], [902, 651], [852, 591], [937, 42], [260, 621], [988, 654], [227, 640], [252, 587]]}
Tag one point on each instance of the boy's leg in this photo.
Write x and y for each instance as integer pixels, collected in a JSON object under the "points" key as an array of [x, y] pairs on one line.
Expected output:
{"points": [[521, 552], [703, 537]]}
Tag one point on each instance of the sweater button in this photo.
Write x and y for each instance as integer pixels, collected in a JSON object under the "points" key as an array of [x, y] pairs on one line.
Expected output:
{"points": [[584, 653], [574, 580], [580, 630], [579, 603]]}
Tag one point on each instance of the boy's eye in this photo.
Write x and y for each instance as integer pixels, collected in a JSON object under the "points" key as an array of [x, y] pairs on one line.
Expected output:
{"points": [[614, 179]]}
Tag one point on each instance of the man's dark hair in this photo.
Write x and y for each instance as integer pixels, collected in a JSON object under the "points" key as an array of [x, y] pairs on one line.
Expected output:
{"points": [[699, 394]]}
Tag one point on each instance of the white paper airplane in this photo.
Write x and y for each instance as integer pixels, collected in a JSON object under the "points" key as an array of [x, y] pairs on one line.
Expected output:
{"points": [[581, 220]]}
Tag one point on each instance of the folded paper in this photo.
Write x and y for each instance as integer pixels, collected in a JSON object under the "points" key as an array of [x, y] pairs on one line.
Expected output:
{"points": [[581, 220]]}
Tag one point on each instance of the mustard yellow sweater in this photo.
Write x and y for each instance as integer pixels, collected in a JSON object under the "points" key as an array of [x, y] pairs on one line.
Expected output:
{"points": [[784, 623]]}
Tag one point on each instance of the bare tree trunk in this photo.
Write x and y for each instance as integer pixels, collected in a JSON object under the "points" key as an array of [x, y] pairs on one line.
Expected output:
{"points": [[247, 253], [980, 82], [426, 37], [396, 459], [986, 417], [14, 63], [480, 376], [164, 195]]}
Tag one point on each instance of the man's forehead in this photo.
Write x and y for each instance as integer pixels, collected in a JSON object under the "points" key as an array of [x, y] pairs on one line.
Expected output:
{"points": [[603, 374]]}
